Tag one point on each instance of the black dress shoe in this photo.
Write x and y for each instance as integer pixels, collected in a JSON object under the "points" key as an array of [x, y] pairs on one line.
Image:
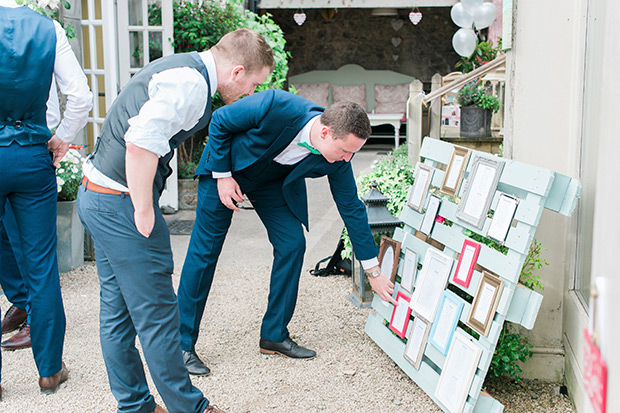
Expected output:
{"points": [[287, 348], [194, 365]]}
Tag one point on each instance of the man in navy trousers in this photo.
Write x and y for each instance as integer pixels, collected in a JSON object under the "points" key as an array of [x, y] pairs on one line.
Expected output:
{"points": [[265, 146]]}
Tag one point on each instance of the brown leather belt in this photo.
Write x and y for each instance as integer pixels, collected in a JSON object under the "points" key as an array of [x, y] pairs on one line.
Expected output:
{"points": [[91, 186]]}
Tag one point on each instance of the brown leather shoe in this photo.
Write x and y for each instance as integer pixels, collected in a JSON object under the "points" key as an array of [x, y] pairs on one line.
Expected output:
{"points": [[49, 385], [212, 409], [13, 318], [19, 340], [159, 409]]}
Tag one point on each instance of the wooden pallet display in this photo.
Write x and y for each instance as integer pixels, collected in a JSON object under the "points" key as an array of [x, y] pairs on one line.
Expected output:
{"points": [[536, 188]]}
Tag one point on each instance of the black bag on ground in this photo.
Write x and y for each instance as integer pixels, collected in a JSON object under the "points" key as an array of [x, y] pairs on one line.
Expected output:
{"points": [[336, 265]]}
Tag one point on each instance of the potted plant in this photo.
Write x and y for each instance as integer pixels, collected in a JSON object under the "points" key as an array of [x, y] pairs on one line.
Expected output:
{"points": [[69, 230], [477, 107]]}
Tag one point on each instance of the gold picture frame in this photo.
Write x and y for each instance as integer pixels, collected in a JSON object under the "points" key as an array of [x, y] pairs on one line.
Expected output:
{"points": [[488, 294], [455, 171]]}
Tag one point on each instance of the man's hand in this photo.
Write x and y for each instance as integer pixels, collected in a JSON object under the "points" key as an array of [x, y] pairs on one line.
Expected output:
{"points": [[140, 166], [229, 192], [58, 148], [383, 287], [145, 221]]}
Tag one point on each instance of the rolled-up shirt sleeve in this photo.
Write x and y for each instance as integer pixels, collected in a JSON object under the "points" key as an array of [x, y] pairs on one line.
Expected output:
{"points": [[177, 101], [72, 83]]}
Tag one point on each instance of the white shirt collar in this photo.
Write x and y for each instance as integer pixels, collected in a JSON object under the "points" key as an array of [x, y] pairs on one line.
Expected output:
{"points": [[209, 62], [305, 132]]}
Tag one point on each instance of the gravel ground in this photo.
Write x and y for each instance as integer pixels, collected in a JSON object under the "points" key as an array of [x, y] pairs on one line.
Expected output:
{"points": [[350, 374]]}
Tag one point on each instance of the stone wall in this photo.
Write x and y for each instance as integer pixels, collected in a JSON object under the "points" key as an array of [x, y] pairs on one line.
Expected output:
{"points": [[373, 42]]}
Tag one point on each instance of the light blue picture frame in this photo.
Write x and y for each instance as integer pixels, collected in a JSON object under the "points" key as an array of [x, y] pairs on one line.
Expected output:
{"points": [[450, 310]]}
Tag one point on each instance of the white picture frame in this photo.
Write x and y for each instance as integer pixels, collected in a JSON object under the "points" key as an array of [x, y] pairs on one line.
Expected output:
{"points": [[416, 341], [410, 268], [479, 190], [431, 283], [421, 183], [502, 218], [458, 372]]}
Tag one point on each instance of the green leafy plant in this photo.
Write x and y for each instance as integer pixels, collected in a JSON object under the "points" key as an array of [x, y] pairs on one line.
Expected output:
{"points": [[187, 169], [511, 349], [533, 262], [484, 52], [473, 95]]}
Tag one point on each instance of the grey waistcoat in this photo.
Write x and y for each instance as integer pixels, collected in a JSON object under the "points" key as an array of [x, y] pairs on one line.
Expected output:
{"points": [[109, 153]]}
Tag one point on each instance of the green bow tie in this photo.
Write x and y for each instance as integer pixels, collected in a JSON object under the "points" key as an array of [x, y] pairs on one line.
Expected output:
{"points": [[308, 147]]}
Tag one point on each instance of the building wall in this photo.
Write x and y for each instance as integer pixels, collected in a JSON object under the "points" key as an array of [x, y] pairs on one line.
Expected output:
{"points": [[375, 43], [543, 127]]}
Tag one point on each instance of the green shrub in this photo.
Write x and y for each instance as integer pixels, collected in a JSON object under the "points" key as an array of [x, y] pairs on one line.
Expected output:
{"points": [[473, 95]]}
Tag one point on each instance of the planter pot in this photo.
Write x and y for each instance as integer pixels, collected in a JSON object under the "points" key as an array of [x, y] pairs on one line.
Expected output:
{"points": [[70, 237], [188, 193], [475, 122]]}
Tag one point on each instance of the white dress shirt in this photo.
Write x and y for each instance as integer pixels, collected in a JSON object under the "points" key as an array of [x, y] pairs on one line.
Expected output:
{"points": [[71, 82], [177, 101]]}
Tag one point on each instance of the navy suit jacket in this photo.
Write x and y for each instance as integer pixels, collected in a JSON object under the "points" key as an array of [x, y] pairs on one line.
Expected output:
{"points": [[260, 127]]}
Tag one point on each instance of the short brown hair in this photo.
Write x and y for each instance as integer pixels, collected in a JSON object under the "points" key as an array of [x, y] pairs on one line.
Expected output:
{"points": [[347, 117], [245, 47]]}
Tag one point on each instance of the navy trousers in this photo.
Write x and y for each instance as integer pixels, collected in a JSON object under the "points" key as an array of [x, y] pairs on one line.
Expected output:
{"points": [[12, 261], [137, 298], [264, 189], [29, 184]]}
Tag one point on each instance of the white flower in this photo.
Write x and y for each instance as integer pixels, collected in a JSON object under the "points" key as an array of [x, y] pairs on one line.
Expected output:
{"points": [[52, 4]]}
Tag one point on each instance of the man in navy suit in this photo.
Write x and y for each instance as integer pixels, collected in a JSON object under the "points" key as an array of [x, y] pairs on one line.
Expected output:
{"points": [[265, 146]]}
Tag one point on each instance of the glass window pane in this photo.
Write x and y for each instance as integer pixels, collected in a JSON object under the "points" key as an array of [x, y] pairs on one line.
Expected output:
{"points": [[99, 37], [155, 46], [86, 47], [135, 12], [135, 48], [589, 149], [154, 10]]}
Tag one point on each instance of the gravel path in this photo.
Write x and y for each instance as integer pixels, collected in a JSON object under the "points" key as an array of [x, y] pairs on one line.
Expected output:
{"points": [[350, 374]]}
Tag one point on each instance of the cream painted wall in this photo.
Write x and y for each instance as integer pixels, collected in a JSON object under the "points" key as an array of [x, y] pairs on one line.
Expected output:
{"points": [[545, 81]]}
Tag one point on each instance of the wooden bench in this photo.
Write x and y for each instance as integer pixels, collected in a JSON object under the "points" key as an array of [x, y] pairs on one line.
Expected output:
{"points": [[537, 189], [325, 87]]}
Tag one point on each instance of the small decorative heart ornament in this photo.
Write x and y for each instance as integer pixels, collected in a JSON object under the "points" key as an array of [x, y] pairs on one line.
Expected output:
{"points": [[415, 17], [397, 24], [299, 18], [396, 41], [395, 57]]}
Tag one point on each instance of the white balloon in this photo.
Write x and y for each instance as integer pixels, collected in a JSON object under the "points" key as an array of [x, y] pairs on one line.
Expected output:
{"points": [[485, 15], [471, 5], [464, 42], [460, 16]]}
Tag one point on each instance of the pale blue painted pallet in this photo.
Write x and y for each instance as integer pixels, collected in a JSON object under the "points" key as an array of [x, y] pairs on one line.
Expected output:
{"points": [[537, 189]]}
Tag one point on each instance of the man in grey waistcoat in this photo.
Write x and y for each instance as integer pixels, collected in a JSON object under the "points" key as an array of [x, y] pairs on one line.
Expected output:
{"points": [[161, 106]]}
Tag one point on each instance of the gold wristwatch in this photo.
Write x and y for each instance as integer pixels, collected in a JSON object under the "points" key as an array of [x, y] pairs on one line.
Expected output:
{"points": [[374, 273]]}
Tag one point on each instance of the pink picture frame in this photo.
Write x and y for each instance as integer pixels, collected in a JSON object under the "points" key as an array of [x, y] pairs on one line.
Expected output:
{"points": [[467, 260], [398, 325]]}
